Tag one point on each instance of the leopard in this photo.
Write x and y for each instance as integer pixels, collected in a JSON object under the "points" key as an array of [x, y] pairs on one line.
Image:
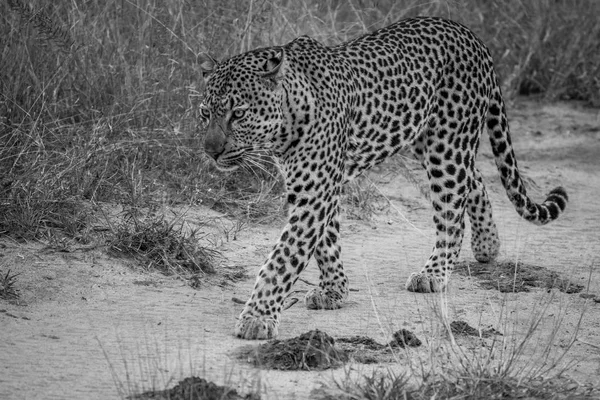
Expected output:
{"points": [[423, 85]]}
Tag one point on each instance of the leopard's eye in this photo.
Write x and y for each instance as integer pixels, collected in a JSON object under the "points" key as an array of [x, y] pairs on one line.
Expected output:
{"points": [[238, 113], [205, 113]]}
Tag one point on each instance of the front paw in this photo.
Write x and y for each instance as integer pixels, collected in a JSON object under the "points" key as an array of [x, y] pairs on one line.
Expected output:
{"points": [[256, 328], [317, 299], [424, 283]]}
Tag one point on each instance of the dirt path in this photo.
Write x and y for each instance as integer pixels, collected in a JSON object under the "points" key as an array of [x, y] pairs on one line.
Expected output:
{"points": [[90, 327]]}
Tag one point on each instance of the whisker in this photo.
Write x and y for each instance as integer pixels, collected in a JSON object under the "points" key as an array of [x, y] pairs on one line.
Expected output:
{"points": [[264, 156], [264, 163], [254, 163]]}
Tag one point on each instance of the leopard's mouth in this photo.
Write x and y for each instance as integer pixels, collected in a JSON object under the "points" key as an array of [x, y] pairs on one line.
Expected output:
{"points": [[230, 161], [227, 167]]}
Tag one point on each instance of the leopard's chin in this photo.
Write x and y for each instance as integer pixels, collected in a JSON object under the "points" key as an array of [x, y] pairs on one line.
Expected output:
{"points": [[227, 167]]}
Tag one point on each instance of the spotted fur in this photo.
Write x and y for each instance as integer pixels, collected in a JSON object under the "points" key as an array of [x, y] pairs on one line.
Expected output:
{"points": [[329, 113]]}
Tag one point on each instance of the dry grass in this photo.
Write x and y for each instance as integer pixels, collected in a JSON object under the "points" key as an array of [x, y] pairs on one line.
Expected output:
{"points": [[530, 363], [8, 286], [159, 244], [361, 199], [97, 100]]}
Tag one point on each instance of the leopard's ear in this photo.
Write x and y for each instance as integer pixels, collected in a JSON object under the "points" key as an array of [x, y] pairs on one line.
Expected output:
{"points": [[207, 64], [272, 68]]}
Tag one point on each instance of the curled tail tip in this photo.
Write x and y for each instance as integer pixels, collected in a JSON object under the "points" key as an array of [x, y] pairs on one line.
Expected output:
{"points": [[559, 190], [554, 205], [548, 211], [559, 196]]}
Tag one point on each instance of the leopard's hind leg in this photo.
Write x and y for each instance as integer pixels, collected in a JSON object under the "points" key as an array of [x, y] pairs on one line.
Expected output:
{"points": [[484, 234], [447, 150]]}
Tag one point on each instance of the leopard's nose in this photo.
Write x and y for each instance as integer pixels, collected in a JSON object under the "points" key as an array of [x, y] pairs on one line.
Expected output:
{"points": [[213, 150], [214, 145]]}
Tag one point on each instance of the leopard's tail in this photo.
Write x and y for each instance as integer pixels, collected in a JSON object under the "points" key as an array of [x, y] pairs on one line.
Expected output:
{"points": [[539, 214]]}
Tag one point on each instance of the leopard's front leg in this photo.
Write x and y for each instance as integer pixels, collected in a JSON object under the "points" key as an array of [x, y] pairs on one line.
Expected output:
{"points": [[333, 282], [305, 228], [260, 317]]}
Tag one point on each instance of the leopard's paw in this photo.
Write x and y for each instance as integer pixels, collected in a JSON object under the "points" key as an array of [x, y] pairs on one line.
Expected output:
{"points": [[424, 283], [486, 251], [318, 299], [255, 328], [485, 257]]}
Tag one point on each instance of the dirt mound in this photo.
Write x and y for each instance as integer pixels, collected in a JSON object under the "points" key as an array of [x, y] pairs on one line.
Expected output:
{"points": [[195, 388], [313, 350], [316, 350], [510, 277], [464, 329]]}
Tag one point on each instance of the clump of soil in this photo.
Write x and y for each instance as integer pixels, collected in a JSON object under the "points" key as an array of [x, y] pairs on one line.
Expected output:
{"points": [[403, 338], [313, 350], [595, 298], [195, 388], [361, 343], [463, 328], [365, 350], [509, 277], [316, 350]]}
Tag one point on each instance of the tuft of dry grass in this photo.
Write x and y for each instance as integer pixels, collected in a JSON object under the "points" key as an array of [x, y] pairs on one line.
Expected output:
{"points": [[48, 30], [158, 244], [8, 289], [362, 199]]}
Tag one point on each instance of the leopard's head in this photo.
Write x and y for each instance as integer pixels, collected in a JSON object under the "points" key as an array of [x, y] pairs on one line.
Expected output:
{"points": [[241, 108]]}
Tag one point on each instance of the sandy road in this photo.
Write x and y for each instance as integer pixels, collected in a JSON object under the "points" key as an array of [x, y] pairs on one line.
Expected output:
{"points": [[90, 327]]}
